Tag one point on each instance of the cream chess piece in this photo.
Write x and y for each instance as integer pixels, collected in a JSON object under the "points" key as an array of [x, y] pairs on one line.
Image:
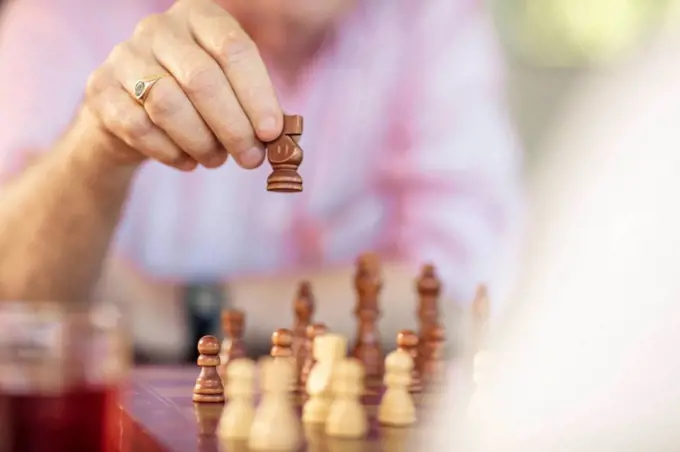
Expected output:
{"points": [[347, 416], [237, 416], [276, 425], [328, 350], [397, 407]]}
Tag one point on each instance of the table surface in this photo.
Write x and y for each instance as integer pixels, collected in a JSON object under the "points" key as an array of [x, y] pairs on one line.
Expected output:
{"points": [[158, 415]]}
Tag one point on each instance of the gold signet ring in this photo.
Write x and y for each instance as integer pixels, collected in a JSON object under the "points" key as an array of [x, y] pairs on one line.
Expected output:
{"points": [[143, 87]]}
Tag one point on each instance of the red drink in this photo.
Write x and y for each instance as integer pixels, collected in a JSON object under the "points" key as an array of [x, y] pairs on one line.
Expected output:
{"points": [[82, 420], [60, 370]]}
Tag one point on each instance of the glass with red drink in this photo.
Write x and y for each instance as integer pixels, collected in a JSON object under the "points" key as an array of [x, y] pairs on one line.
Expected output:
{"points": [[61, 371]]}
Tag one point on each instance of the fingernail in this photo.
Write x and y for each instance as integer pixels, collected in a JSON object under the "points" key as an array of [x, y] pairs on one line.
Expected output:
{"points": [[267, 127], [252, 158], [188, 165], [217, 160]]}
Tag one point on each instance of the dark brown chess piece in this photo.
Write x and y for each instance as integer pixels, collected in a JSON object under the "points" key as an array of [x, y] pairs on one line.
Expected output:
{"points": [[233, 346], [429, 288], [313, 331], [285, 156], [208, 387], [407, 340], [433, 360], [367, 349], [282, 341], [304, 310]]}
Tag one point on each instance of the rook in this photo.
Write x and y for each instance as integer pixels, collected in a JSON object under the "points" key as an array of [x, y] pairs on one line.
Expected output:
{"points": [[285, 156]]}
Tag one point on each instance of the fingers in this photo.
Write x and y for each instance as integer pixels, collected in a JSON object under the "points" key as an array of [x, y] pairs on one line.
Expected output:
{"points": [[169, 108], [224, 39], [203, 81], [124, 117], [216, 100]]}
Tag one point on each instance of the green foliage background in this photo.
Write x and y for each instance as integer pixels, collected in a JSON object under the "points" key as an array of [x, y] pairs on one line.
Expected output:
{"points": [[574, 32]]}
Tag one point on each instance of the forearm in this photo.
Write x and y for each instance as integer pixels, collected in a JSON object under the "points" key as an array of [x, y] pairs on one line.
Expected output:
{"points": [[57, 219]]}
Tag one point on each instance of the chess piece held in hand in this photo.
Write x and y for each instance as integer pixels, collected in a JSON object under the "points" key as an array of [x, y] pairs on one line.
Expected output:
{"points": [[208, 387], [285, 156]]}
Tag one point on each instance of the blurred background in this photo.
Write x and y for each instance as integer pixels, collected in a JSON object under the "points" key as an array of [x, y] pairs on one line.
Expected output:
{"points": [[556, 53], [550, 48]]}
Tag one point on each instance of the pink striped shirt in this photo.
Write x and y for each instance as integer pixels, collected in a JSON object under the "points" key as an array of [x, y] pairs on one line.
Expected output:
{"points": [[408, 147]]}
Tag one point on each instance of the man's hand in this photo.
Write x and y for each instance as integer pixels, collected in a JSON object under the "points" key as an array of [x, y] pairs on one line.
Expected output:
{"points": [[218, 99]]}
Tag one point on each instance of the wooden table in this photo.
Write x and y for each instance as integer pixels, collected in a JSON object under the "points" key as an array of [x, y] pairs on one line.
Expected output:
{"points": [[158, 415]]}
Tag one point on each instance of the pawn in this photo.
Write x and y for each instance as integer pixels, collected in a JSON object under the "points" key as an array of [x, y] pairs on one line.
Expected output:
{"points": [[282, 343], [237, 416], [276, 425], [313, 331], [347, 416], [208, 387], [397, 408], [407, 340]]}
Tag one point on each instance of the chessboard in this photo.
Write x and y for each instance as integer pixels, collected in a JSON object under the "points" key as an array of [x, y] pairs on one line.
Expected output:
{"points": [[159, 415], [182, 409]]}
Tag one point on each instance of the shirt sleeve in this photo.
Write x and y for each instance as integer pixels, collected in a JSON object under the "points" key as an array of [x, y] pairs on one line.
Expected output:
{"points": [[44, 65], [459, 170]]}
